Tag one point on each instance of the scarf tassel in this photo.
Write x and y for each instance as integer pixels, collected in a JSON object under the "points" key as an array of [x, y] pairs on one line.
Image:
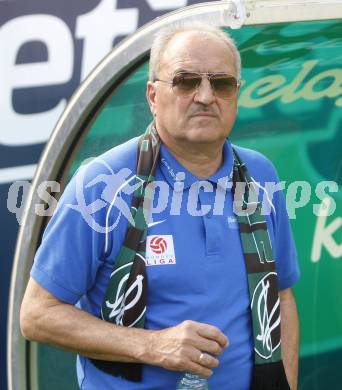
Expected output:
{"points": [[269, 376]]}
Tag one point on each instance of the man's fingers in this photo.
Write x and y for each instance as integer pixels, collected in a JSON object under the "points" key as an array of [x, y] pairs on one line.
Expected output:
{"points": [[189, 346], [210, 346], [196, 368], [202, 358], [213, 333], [207, 360]]}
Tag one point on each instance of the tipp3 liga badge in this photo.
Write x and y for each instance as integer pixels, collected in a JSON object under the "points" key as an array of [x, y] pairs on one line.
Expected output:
{"points": [[160, 250]]}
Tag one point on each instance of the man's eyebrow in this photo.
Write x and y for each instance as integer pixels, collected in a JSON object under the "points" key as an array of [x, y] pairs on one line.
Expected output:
{"points": [[181, 70]]}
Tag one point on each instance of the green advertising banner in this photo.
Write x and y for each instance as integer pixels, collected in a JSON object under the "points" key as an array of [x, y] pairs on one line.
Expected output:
{"points": [[290, 110]]}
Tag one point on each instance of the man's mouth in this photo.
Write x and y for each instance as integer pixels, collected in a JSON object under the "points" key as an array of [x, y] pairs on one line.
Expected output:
{"points": [[204, 113]]}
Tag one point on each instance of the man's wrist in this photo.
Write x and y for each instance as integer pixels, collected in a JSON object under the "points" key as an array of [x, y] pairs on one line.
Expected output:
{"points": [[145, 351]]}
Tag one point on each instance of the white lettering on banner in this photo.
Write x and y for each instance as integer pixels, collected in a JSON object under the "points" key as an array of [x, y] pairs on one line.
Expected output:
{"points": [[160, 5], [323, 236], [98, 29], [22, 129], [267, 89], [8, 175]]}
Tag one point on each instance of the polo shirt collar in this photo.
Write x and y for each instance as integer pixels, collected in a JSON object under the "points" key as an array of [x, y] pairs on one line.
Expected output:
{"points": [[173, 171]]}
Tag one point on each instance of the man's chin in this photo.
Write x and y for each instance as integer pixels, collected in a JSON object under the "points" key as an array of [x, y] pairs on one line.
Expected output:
{"points": [[200, 135]]}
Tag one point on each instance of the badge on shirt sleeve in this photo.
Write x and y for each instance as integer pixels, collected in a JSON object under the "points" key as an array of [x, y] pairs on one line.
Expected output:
{"points": [[160, 250]]}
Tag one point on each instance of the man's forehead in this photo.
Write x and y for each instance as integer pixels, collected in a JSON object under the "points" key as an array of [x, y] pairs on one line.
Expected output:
{"points": [[180, 40], [190, 48]]}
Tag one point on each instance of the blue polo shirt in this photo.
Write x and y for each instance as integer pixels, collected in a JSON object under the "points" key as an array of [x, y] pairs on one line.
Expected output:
{"points": [[202, 276]]}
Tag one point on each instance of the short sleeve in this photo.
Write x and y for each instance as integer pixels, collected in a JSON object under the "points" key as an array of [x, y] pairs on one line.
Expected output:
{"points": [[71, 249]]}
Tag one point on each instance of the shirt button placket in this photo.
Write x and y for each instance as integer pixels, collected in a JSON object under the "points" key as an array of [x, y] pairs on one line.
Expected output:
{"points": [[211, 224]]}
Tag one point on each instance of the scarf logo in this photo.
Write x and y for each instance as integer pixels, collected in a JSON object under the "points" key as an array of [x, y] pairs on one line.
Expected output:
{"points": [[125, 301], [266, 316], [158, 245]]}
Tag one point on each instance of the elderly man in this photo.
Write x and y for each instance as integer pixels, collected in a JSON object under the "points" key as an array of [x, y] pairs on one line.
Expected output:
{"points": [[197, 287]]}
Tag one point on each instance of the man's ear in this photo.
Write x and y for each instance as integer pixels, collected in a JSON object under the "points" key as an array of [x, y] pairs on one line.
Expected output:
{"points": [[237, 93], [151, 96]]}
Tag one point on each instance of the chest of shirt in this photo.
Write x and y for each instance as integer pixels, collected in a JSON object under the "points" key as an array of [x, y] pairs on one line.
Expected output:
{"points": [[189, 255], [193, 244]]}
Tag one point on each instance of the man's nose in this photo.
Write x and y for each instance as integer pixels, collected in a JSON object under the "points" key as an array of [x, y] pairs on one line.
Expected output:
{"points": [[204, 93]]}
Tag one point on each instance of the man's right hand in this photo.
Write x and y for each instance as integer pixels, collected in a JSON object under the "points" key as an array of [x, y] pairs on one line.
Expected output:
{"points": [[46, 319], [179, 348]]}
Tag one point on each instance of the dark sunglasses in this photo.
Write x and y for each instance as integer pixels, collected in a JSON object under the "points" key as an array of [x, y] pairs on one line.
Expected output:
{"points": [[184, 83]]}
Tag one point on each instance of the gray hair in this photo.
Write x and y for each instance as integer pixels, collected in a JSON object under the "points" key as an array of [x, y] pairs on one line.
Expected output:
{"points": [[164, 36]]}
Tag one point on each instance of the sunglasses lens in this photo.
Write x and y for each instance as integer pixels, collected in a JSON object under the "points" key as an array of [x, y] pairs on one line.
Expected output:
{"points": [[224, 86], [186, 82]]}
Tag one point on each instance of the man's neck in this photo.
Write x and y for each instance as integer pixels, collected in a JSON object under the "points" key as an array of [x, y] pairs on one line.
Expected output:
{"points": [[201, 160]]}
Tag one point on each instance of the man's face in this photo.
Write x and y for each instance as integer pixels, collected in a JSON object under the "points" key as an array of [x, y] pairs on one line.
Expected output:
{"points": [[200, 117]]}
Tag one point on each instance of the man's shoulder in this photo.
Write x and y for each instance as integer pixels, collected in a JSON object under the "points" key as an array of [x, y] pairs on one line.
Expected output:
{"points": [[103, 175], [251, 156], [122, 156], [258, 165]]}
